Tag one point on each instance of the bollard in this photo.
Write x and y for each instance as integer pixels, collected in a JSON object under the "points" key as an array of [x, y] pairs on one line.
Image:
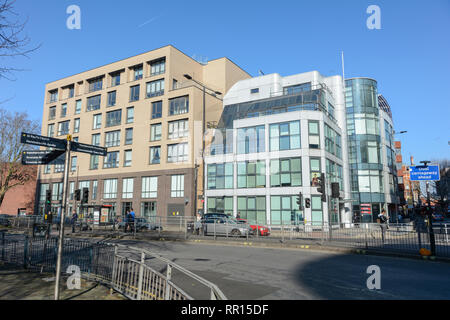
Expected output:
{"points": [[168, 278]]}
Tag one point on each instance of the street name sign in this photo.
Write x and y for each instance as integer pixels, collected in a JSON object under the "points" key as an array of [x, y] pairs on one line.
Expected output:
{"points": [[424, 173], [39, 157], [42, 141], [87, 148]]}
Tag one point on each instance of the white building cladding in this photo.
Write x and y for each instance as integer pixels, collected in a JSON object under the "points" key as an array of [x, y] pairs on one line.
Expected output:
{"points": [[276, 136]]}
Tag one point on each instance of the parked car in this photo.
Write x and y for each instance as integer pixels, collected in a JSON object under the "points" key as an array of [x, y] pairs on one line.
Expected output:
{"points": [[256, 229], [224, 226], [141, 224], [195, 226]]}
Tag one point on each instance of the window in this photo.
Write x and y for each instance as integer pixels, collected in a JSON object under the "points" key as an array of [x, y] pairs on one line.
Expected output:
{"points": [[112, 139], [157, 67], [253, 91], [63, 128], [304, 87], [59, 168], [220, 176], [44, 188], [73, 165], [50, 130], [76, 126], [331, 110], [148, 209], [316, 172], [63, 110], [149, 187], [95, 84], [155, 132], [71, 91], [94, 162], [111, 160], [93, 103], [253, 209], [333, 142], [94, 189], [177, 153], [83, 184], [128, 158], [129, 136], [155, 155], [130, 115], [334, 173], [113, 118], [115, 79], [177, 186], [316, 210], [285, 136], [53, 95], [251, 140], [52, 113], [138, 72], [157, 110], [78, 107], [178, 129], [110, 189], [127, 188], [251, 174], [96, 139], [134, 93], [314, 134], [220, 205], [57, 191], [284, 210], [155, 88], [286, 172], [47, 169], [179, 105], [111, 98], [174, 84]]}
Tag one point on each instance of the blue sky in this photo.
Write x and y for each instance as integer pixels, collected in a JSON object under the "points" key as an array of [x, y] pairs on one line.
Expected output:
{"points": [[409, 56]]}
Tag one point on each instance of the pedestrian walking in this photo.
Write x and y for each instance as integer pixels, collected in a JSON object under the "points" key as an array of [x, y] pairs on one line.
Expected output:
{"points": [[127, 220], [382, 220], [132, 220], [74, 220]]}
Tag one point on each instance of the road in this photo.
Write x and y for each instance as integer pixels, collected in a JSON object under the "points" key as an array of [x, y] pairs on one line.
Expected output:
{"points": [[288, 274]]}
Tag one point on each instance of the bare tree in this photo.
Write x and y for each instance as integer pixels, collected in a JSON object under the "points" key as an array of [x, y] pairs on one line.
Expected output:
{"points": [[13, 42], [12, 173]]}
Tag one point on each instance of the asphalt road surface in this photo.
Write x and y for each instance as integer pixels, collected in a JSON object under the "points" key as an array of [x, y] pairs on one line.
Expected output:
{"points": [[288, 274]]}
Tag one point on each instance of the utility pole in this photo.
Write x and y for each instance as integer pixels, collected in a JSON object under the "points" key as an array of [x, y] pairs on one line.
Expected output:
{"points": [[430, 216], [63, 215]]}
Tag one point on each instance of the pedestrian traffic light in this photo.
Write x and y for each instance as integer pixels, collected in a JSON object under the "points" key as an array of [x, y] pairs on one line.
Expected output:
{"points": [[308, 203], [48, 197], [77, 195], [85, 198], [322, 189], [300, 201]]}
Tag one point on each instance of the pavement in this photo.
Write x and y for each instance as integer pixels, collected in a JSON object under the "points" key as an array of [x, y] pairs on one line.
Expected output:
{"points": [[18, 284]]}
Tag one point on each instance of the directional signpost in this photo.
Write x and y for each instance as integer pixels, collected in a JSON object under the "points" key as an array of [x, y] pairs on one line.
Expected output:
{"points": [[424, 173], [61, 155]]}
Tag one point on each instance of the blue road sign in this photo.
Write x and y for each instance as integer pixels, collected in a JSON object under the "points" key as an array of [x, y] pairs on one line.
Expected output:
{"points": [[424, 173]]}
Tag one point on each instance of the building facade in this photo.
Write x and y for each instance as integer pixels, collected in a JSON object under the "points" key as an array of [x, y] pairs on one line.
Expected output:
{"points": [[148, 111]]}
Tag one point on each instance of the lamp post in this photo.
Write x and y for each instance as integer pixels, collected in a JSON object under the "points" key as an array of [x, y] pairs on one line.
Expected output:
{"points": [[214, 93], [429, 214]]}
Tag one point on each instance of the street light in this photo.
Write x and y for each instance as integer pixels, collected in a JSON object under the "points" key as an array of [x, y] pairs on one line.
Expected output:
{"points": [[214, 93], [429, 214]]}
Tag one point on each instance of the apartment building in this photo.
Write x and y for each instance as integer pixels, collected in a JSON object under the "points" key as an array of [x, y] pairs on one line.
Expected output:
{"points": [[148, 111]]}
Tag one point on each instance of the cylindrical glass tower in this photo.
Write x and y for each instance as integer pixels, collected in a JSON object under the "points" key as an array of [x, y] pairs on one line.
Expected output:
{"points": [[364, 149]]}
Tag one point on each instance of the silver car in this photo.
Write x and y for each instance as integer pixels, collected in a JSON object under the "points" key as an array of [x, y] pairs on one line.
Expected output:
{"points": [[224, 227]]}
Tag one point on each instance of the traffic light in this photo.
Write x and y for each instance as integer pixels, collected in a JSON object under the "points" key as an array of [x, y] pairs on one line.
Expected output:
{"points": [[322, 189], [308, 203], [300, 201], [77, 195], [335, 192], [48, 197], [85, 198]]}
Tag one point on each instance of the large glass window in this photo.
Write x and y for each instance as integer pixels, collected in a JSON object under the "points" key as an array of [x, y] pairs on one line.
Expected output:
{"points": [[178, 129], [155, 155], [73, 164], [177, 153], [50, 130], [130, 115], [52, 113], [63, 110], [251, 174], [76, 126], [304, 87], [63, 128], [220, 205], [220, 176], [315, 171], [53, 95], [128, 158], [252, 209], [150, 187], [251, 140], [95, 139], [156, 110], [94, 162], [113, 118], [128, 136], [78, 107], [155, 132], [316, 210], [115, 79], [157, 67], [138, 72], [285, 210], [110, 189], [111, 98], [111, 160], [93, 103], [286, 172], [134, 93], [155, 88], [177, 186], [112, 139], [148, 209], [97, 121], [127, 188], [57, 191], [314, 134], [285, 136], [95, 84], [179, 105]]}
